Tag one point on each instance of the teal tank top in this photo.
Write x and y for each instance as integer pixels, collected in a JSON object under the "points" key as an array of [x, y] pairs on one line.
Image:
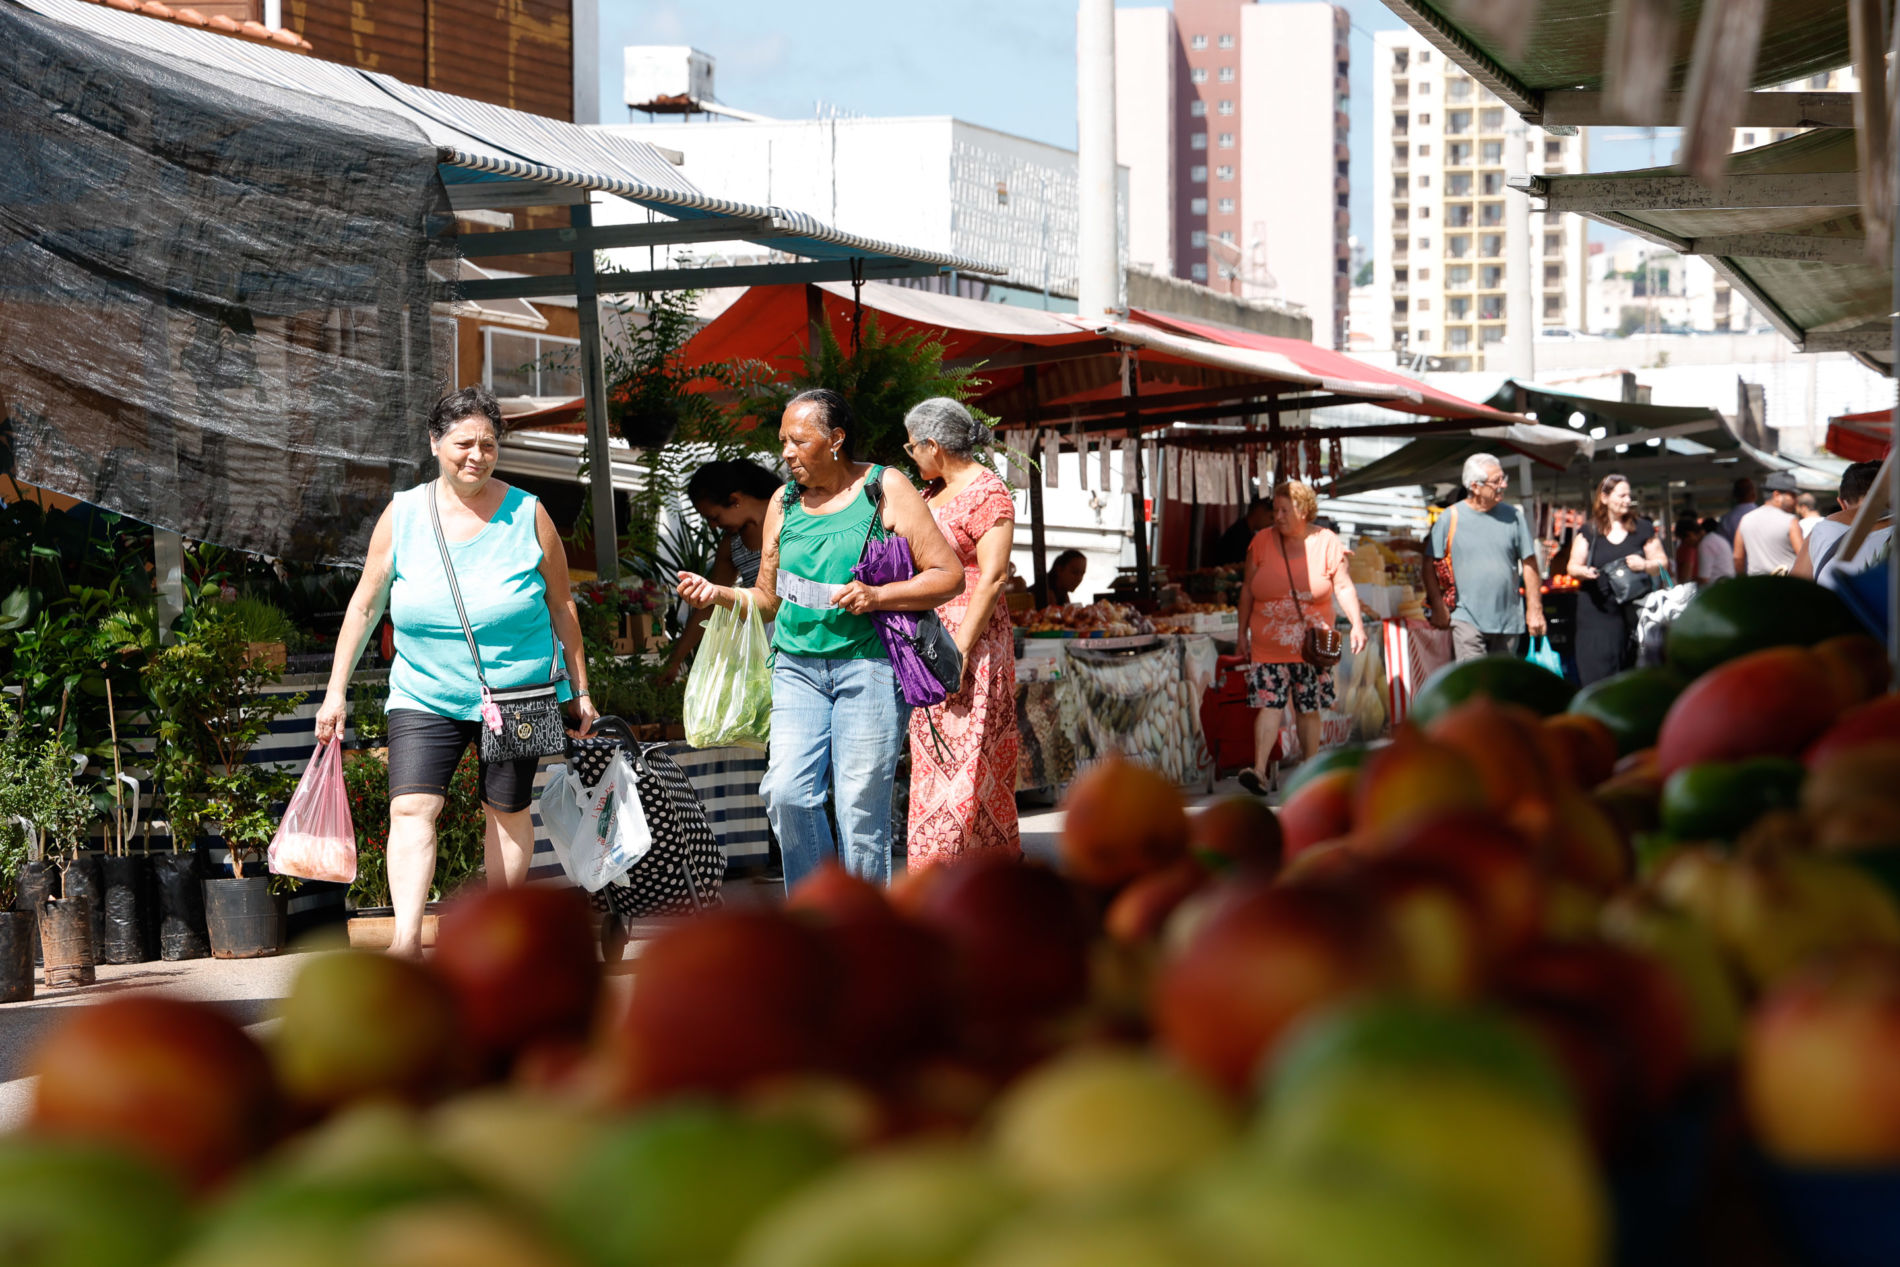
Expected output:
{"points": [[815, 556], [499, 570]]}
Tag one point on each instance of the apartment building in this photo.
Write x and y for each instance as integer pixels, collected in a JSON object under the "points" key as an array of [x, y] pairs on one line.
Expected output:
{"points": [[1232, 120], [1441, 257]]}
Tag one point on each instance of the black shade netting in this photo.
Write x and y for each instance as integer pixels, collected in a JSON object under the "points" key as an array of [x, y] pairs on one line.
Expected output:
{"points": [[215, 294]]}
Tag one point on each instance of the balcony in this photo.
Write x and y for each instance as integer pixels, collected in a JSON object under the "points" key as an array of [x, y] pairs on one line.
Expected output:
{"points": [[1401, 288]]}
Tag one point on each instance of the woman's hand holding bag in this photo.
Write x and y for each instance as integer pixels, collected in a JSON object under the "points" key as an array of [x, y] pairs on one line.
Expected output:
{"points": [[316, 840], [729, 692]]}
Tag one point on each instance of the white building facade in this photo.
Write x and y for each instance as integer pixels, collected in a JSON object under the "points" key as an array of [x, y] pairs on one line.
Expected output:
{"points": [[1441, 254], [1232, 119], [933, 182]]}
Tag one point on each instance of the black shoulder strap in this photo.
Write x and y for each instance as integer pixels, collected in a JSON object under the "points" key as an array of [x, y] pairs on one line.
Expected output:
{"points": [[1827, 556]]}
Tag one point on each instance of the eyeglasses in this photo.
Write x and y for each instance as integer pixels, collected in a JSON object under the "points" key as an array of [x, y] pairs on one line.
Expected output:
{"points": [[1499, 480], [911, 446]]}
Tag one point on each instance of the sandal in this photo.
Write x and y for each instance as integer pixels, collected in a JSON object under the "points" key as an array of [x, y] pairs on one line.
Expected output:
{"points": [[1249, 778]]}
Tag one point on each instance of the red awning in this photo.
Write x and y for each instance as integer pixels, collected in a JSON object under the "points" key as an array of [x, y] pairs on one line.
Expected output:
{"points": [[1861, 437]]}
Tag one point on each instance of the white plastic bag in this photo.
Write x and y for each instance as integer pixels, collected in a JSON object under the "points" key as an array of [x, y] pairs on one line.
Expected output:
{"points": [[598, 832], [316, 840]]}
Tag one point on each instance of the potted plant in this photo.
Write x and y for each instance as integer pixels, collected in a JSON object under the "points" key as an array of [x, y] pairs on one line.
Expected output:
{"points": [[19, 929], [60, 812], [266, 628], [212, 706]]}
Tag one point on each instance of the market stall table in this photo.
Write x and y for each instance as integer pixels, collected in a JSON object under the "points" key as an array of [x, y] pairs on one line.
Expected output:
{"points": [[1078, 699]]}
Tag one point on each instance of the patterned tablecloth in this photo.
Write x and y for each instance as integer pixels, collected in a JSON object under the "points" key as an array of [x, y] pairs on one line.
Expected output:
{"points": [[1143, 702], [727, 781]]}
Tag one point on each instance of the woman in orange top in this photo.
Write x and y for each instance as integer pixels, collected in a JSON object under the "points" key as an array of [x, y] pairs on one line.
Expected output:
{"points": [[1290, 558]]}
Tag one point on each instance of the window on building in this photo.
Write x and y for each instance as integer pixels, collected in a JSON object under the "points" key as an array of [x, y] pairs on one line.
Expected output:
{"points": [[1424, 336], [1400, 246], [1424, 55], [1198, 75], [530, 364], [1399, 307], [1424, 274], [1553, 151], [1458, 215], [1424, 305], [1491, 245], [1227, 74], [1553, 274], [1457, 184], [1491, 213], [1424, 151], [1490, 277], [1493, 334], [1225, 107], [1197, 206], [1425, 212], [1198, 174], [1197, 109], [1425, 120], [1399, 153], [1458, 308], [1197, 141], [1424, 244], [1227, 235], [1458, 275], [1425, 180], [1553, 307], [1553, 244], [1491, 119], [1457, 338], [1492, 184], [1493, 152], [1227, 140], [1226, 206], [1401, 58], [1224, 172], [1458, 245], [1458, 122], [1457, 90], [1748, 138], [1490, 307], [1198, 237], [1458, 154], [1226, 41], [1198, 272], [1197, 41], [1424, 87]]}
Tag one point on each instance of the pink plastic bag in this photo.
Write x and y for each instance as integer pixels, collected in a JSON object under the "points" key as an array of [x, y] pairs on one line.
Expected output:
{"points": [[316, 840]]}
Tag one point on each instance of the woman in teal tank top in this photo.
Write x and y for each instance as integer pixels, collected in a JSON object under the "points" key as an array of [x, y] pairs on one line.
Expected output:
{"points": [[837, 719], [512, 570]]}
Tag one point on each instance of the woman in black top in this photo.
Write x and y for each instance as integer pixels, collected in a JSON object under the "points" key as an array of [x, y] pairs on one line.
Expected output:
{"points": [[1615, 534]]}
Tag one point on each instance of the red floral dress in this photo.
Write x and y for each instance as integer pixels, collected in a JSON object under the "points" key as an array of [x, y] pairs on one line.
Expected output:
{"points": [[963, 798]]}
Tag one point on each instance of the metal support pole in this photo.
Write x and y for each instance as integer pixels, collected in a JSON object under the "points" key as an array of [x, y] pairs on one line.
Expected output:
{"points": [[594, 386], [1098, 249], [1038, 527], [1144, 561]]}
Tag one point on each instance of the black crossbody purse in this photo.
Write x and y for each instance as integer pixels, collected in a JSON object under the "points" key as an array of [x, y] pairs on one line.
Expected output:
{"points": [[522, 721]]}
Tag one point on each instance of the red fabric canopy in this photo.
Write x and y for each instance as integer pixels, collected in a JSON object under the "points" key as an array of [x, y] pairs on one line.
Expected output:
{"points": [[1861, 437]]}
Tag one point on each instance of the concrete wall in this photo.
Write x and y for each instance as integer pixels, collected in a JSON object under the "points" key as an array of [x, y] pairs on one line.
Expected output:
{"points": [[1146, 55], [1186, 299]]}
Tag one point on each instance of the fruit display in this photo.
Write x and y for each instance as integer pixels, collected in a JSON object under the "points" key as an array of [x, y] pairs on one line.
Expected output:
{"points": [[1077, 620], [1497, 993], [1195, 618]]}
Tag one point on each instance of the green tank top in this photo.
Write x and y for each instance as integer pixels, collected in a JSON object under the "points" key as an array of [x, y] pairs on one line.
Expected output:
{"points": [[815, 556]]}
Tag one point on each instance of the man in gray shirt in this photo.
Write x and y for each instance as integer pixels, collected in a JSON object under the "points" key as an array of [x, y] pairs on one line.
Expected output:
{"points": [[1492, 554], [1768, 538]]}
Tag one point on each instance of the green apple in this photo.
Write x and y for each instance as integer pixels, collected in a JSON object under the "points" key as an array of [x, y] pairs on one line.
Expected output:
{"points": [[1104, 1122], [1097, 1239], [69, 1204], [525, 1145], [1261, 1213], [925, 1206], [680, 1185], [358, 1024], [430, 1234]]}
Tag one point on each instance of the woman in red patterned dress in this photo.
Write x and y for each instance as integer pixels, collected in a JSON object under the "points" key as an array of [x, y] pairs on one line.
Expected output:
{"points": [[963, 776]]}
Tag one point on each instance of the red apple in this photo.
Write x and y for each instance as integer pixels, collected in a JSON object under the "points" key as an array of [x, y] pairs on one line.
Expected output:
{"points": [[1505, 744], [1319, 810], [1121, 820], [1495, 866], [724, 999], [1263, 959], [1018, 937], [522, 965], [1819, 1078], [1767, 703], [175, 1081]]}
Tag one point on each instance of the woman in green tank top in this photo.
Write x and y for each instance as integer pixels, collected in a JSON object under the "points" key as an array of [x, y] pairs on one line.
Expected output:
{"points": [[837, 719]]}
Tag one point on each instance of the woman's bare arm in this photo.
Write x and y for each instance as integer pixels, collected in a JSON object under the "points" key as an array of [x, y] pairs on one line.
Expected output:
{"points": [[992, 561], [701, 592], [938, 576], [360, 618], [566, 617]]}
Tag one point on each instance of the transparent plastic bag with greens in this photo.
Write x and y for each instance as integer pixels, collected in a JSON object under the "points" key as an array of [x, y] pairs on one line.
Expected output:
{"points": [[729, 692]]}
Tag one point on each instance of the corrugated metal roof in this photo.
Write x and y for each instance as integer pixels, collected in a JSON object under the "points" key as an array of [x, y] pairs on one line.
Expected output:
{"points": [[482, 141]]}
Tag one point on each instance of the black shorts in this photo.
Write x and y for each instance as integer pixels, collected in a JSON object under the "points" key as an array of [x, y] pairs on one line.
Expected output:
{"points": [[425, 748]]}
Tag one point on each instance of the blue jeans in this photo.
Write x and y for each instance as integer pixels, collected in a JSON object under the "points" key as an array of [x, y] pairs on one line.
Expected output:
{"points": [[837, 729]]}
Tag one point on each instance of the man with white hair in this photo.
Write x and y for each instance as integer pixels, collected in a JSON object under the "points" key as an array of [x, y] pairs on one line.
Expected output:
{"points": [[1492, 554]]}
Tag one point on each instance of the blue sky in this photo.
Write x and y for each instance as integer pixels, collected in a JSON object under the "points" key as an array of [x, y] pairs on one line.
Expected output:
{"points": [[1005, 64]]}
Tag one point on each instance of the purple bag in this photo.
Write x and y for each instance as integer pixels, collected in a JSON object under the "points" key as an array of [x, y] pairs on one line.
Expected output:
{"points": [[923, 654]]}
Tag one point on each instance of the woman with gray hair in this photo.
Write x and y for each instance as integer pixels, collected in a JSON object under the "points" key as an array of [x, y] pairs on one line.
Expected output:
{"points": [[963, 751]]}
